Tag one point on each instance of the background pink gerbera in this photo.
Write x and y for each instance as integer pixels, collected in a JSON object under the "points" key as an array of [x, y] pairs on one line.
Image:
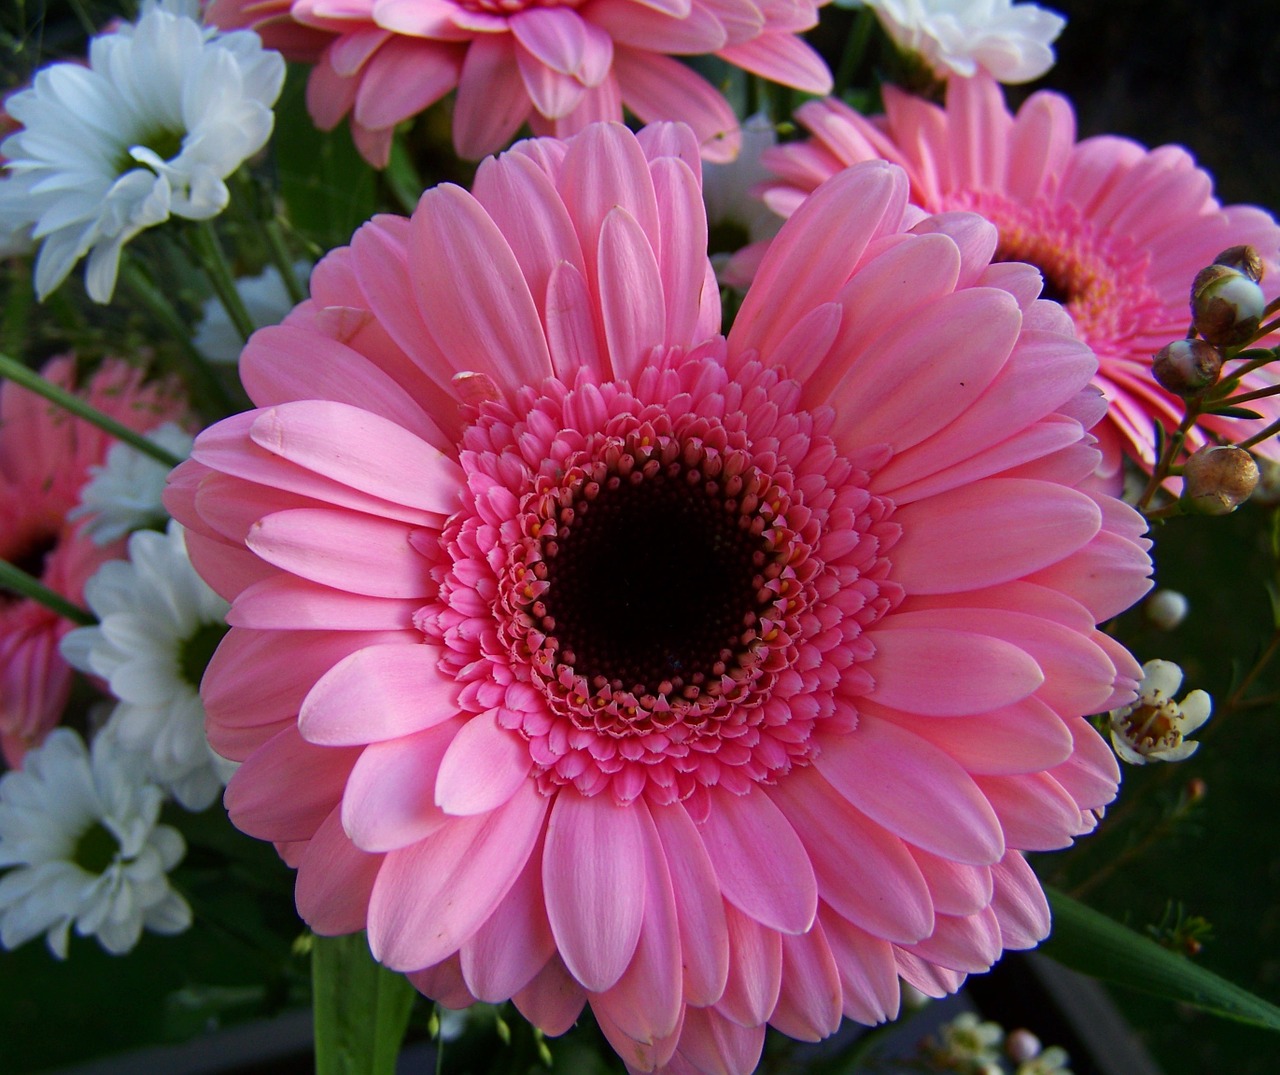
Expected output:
{"points": [[45, 456], [584, 656], [557, 65], [1119, 231]]}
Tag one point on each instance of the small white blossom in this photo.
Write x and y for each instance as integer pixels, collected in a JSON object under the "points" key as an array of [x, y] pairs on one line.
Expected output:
{"points": [[124, 493], [1154, 727], [1053, 1061], [159, 623], [966, 1043], [266, 299], [80, 830], [162, 113], [1010, 41]]}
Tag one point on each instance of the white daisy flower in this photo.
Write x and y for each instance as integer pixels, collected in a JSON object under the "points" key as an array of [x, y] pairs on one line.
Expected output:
{"points": [[123, 494], [164, 111], [1154, 727], [266, 299], [80, 832], [159, 624], [1010, 41]]}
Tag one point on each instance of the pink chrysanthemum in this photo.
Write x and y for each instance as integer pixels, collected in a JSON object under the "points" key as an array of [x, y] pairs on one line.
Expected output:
{"points": [[45, 456], [556, 64], [1118, 230], [584, 656]]}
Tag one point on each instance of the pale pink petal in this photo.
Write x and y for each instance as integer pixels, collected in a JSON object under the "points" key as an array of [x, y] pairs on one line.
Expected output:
{"points": [[416, 917], [755, 971], [762, 866], [556, 36], [956, 889], [593, 878], [335, 879], [553, 1000], [713, 1045], [482, 768], [631, 293], [657, 87], [284, 602], [553, 93], [810, 1001], [1035, 811], [929, 978], [868, 974], [573, 335], [1019, 903], [968, 945], [492, 101], [378, 693], [681, 259], [913, 790], [647, 29], [388, 801], [405, 78], [783, 58]]}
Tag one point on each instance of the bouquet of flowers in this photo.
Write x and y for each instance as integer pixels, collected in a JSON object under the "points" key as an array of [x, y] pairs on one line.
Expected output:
{"points": [[634, 518]]}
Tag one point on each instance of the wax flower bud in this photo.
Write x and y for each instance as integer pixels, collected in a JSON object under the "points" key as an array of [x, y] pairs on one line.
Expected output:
{"points": [[1243, 259], [1226, 305], [1186, 367], [1218, 479]]}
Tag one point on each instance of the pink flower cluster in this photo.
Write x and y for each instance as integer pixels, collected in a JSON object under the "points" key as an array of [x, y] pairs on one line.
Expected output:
{"points": [[555, 65], [585, 656], [45, 456]]}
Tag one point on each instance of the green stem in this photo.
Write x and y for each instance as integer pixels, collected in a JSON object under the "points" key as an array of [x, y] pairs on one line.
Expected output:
{"points": [[213, 260], [280, 259], [1258, 438], [855, 49], [203, 383], [17, 581], [20, 375], [1261, 393]]}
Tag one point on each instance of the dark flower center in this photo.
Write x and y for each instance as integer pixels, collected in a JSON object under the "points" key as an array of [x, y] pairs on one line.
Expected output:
{"points": [[96, 849], [651, 586]]}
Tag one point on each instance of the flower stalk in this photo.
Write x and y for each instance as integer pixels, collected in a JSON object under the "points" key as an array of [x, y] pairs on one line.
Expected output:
{"points": [[15, 580], [213, 259], [21, 375]]}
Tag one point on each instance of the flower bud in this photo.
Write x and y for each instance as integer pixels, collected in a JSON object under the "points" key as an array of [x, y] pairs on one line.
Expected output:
{"points": [[1185, 367], [1243, 259], [1217, 480], [1226, 306], [1021, 1045], [1166, 609]]}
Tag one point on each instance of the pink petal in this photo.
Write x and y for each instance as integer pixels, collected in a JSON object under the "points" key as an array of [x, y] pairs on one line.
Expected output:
{"points": [[492, 101], [553, 1000], [335, 879], [763, 867], [1024, 737], [388, 801], [868, 974], [704, 936], [405, 78], [631, 294], [353, 446], [593, 879], [783, 58], [553, 94], [461, 261], [513, 945], [556, 36], [1019, 903], [315, 777], [681, 253], [483, 767], [713, 1045], [379, 693], [292, 604], [810, 1000], [647, 1002], [656, 87], [444, 984], [914, 790], [575, 339], [755, 971], [866, 874], [956, 889], [815, 253], [647, 28], [942, 673], [968, 945], [1091, 776], [946, 541], [929, 978], [416, 917], [1035, 811]]}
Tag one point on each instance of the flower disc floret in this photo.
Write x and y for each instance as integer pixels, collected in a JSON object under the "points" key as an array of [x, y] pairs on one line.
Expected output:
{"points": [[582, 655]]}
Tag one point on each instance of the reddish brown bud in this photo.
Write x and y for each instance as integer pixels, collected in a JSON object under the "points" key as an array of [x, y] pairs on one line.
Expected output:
{"points": [[1217, 480], [1186, 367]]}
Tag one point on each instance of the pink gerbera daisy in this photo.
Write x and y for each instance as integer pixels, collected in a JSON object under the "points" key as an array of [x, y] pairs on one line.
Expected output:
{"points": [[1119, 231], [584, 656], [45, 456], [556, 64]]}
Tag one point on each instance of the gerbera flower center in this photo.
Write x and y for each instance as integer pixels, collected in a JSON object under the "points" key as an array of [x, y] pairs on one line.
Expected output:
{"points": [[650, 581], [1099, 278]]}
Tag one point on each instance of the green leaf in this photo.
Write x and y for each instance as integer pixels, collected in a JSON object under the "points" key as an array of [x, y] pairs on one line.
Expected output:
{"points": [[1234, 412], [1092, 943], [361, 1008]]}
